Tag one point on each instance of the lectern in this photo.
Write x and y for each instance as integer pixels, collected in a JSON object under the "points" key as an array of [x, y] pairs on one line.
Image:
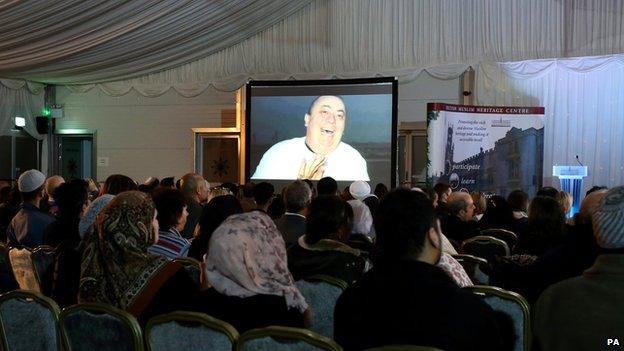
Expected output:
{"points": [[571, 179]]}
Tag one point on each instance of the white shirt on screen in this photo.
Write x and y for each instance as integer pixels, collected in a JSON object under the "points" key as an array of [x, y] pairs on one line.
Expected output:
{"points": [[283, 160]]}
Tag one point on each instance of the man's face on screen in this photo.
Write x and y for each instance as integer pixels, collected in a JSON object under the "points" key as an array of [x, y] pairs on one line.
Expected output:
{"points": [[325, 124]]}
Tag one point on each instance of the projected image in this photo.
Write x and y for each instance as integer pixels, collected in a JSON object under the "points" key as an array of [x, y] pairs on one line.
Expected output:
{"points": [[310, 132]]}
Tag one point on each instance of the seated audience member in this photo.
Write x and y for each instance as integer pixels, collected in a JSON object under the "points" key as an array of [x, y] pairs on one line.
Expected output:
{"points": [[362, 217], [149, 185], [380, 190], [263, 195], [498, 215], [27, 226], [48, 204], [195, 189], [233, 188], [72, 199], [216, 211], [595, 188], [548, 191], [86, 221], [247, 269], [454, 269], [171, 215], [444, 191], [292, 225], [519, 202], [93, 188], [312, 188], [480, 203], [546, 227], [277, 207], [118, 183], [458, 224], [580, 313], [405, 299], [565, 201], [118, 270], [327, 186], [323, 249], [168, 182], [247, 202]]}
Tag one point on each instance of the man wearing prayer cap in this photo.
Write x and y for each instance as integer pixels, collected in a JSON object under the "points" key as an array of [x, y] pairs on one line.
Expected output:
{"points": [[26, 228]]}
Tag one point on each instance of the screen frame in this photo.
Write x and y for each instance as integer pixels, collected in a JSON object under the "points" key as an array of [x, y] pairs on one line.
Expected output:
{"points": [[320, 82]]}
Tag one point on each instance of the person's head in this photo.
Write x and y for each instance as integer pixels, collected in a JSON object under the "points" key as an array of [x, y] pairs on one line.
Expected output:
{"points": [[168, 182], [93, 188], [325, 123], [86, 222], [329, 218], [460, 204], [608, 219], [565, 201], [589, 203], [171, 207], [479, 201], [118, 183], [216, 211], [327, 186], [546, 215], [498, 214], [380, 190], [548, 191], [72, 199], [312, 188], [263, 193], [218, 191], [52, 183], [518, 200], [233, 188], [31, 186], [359, 189], [432, 195], [595, 188], [129, 222], [406, 228], [443, 190], [248, 190], [297, 196], [194, 187]]}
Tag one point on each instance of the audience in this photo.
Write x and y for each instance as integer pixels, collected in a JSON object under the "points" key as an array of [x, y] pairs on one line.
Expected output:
{"points": [[327, 186], [246, 267], [85, 225], [480, 203], [27, 226], [71, 200], [519, 202], [323, 249], [171, 215], [548, 191], [498, 215], [362, 217], [263, 195], [48, 204], [458, 225], [581, 313], [546, 227], [380, 190], [247, 202], [444, 191], [216, 211], [565, 201], [404, 298], [195, 189], [292, 225], [118, 183]]}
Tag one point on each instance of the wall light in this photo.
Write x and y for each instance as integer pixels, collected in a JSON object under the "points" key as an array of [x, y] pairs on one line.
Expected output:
{"points": [[20, 121]]}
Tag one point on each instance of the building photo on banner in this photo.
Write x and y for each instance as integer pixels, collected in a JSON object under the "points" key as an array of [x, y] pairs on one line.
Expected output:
{"points": [[491, 149]]}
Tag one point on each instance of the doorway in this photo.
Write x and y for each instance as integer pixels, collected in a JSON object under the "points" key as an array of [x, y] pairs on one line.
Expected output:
{"points": [[74, 154]]}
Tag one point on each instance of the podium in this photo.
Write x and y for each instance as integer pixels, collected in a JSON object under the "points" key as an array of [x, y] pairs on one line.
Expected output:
{"points": [[571, 180]]}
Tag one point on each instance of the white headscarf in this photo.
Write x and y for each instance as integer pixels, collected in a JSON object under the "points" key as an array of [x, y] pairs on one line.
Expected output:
{"points": [[362, 218]]}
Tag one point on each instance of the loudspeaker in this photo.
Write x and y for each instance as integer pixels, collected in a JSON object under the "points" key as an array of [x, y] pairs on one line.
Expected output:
{"points": [[43, 126]]}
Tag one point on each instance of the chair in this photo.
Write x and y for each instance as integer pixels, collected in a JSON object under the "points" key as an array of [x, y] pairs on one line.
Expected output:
{"points": [[23, 269], [403, 348], [515, 321], [28, 321], [476, 267], [43, 263], [191, 266], [97, 326], [181, 330], [509, 237], [284, 339], [485, 247], [321, 292]]}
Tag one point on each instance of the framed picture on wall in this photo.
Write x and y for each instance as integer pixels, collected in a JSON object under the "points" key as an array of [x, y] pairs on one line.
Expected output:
{"points": [[217, 156]]}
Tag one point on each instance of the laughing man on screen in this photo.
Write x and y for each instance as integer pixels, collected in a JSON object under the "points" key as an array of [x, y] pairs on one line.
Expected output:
{"points": [[320, 153]]}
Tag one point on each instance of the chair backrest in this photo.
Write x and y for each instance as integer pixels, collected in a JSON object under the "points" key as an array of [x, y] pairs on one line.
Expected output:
{"points": [[276, 338], [403, 348], [509, 237], [96, 326], [485, 247], [516, 326], [321, 292], [43, 264], [23, 269], [191, 266], [181, 330], [477, 268], [28, 321]]}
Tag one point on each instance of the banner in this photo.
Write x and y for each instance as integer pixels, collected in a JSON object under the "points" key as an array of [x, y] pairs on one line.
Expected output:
{"points": [[491, 149]]}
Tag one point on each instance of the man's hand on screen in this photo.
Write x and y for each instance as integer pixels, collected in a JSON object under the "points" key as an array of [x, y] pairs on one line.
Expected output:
{"points": [[312, 169]]}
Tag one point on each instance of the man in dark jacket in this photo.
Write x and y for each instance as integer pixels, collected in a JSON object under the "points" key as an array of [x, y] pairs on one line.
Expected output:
{"points": [[292, 224], [405, 298]]}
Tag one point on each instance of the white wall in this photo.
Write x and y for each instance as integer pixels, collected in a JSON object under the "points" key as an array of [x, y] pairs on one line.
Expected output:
{"points": [[145, 137]]}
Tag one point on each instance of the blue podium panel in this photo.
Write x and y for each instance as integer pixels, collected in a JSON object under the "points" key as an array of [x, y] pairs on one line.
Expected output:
{"points": [[571, 180]]}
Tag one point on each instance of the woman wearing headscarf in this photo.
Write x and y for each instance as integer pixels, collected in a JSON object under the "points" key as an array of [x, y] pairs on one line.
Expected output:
{"points": [[86, 222], [246, 267], [118, 270]]}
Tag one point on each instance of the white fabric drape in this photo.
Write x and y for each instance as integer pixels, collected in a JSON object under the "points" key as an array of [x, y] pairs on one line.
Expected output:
{"points": [[23, 99], [584, 104]]}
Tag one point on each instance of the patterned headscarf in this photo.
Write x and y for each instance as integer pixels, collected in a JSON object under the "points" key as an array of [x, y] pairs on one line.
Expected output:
{"points": [[247, 256], [116, 267], [86, 222]]}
